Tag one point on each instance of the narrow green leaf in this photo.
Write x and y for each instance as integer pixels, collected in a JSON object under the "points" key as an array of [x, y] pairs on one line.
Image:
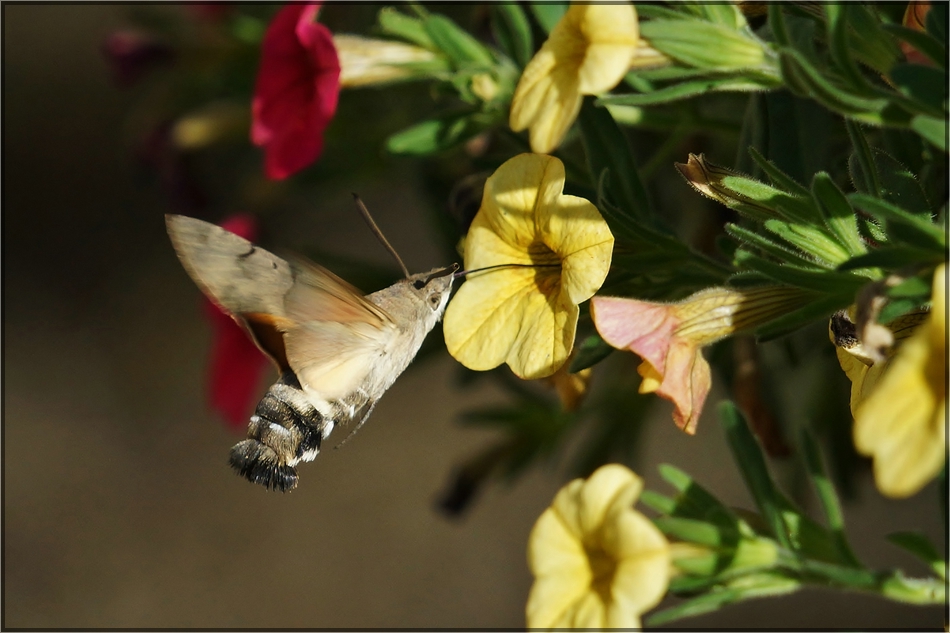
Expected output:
{"points": [[891, 258], [778, 177], [809, 279], [809, 239], [687, 41], [513, 31], [743, 588], [435, 135], [837, 23], [393, 22], [687, 90], [462, 49], [919, 546], [839, 216], [863, 170], [820, 308], [657, 502], [548, 13], [920, 232], [831, 96], [605, 146], [690, 530], [827, 498], [922, 41], [748, 456], [923, 84], [932, 129], [776, 250], [589, 352]]}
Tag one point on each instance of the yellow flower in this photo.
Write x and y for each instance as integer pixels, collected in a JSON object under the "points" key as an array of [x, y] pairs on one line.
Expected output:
{"points": [[669, 337], [526, 315], [902, 423], [365, 61], [597, 562], [588, 52]]}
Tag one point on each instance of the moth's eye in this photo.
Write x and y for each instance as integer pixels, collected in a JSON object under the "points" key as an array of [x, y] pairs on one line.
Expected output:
{"points": [[419, 284], [435, 300]]}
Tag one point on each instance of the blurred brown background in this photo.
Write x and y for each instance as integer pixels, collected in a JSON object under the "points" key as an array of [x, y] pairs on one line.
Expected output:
{"points": [[119, 507]]}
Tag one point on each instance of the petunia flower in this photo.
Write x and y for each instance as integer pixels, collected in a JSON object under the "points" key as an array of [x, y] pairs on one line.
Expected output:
{"points": [[295, 96], [670, 336], [597, 562], [366, 61], [915, 17], [236, 364], [132, 54], [588, 52], [557, 249], [902, 423]]}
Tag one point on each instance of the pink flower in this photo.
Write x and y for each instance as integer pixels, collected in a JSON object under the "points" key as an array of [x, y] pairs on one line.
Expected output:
{"points": [[669, 337], [237, 364], [296, 92]]}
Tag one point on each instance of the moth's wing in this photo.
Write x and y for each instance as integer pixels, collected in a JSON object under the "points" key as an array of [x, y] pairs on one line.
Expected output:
{"points": [[244, 279], [337, 335], [237, 275]]}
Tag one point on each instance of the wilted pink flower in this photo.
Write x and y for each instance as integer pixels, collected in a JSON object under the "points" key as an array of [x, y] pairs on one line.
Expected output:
{"points": [[669, 337], [296, 92], [915, 17], [236, 363]]}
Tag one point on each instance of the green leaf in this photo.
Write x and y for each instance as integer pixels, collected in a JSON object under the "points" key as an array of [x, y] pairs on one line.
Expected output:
{"points": [[695, 502], [548, 13], [809, 279], [778, 177], [435, 135], [923, 84], [932, 129], [687, 90], [819, 309], [589, 352], [463, 50], [919, 546], [809, 239], [743, 588], [704, 45], [863, 169], [827, 498], [917, 230], [837, 23], [839, 216], [513, 31], [605, 146], [392, 22], [748, 456], [923, 42], [776, 250], [799, 71], [891, 258], [690, 530]]}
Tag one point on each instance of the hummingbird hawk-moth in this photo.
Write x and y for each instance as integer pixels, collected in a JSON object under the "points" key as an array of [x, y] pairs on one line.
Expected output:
{"points": [[337, 351]]}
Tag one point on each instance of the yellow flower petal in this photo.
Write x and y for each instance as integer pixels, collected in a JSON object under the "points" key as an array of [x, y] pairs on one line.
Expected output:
{"points": [[588, 52], [527, 317], [597, 562], [902, 423]]}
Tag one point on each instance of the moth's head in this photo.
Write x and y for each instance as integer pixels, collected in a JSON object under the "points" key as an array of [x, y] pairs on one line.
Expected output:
{"points": [[433, 288]]}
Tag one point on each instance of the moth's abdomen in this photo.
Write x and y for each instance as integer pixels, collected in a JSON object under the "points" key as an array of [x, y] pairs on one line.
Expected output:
{"points": [[284, 430]]}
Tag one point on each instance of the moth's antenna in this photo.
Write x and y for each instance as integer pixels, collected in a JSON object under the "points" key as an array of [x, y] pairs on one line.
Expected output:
{"points": [[379, 234], [463, 273]]}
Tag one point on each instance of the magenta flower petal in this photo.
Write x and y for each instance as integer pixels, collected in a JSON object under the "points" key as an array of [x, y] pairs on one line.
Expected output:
{"points": [[236, 365], [296, 93]]}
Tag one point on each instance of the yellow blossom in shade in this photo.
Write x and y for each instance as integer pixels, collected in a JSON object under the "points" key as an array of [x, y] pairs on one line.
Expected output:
{"points": [[588, 52], [597, 562], [902, 423], [560, 246], [365, 61], [670, 336], [858, 360]]}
